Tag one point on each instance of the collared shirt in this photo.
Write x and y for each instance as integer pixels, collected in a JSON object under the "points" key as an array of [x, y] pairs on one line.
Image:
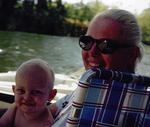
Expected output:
{"points": [[63, 110]]}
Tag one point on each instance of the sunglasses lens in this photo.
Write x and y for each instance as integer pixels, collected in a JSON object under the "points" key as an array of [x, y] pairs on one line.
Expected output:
{"points": [[106, 46], [85, 42]]}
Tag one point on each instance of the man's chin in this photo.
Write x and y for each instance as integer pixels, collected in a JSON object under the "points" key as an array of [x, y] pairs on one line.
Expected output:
{"points": [[93, 66]]}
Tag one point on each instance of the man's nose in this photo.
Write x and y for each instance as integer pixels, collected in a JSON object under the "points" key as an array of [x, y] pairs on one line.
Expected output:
{"points": [[94, 51]]}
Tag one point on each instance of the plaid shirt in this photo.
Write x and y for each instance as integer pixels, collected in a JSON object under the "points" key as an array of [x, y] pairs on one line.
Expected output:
{"points": [[107, 98]]}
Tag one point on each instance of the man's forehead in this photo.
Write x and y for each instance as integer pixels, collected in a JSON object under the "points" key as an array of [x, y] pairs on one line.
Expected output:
{"points": [[105, 28]]}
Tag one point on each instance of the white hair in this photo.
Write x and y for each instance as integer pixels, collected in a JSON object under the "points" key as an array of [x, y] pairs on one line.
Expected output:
{"points": [[131, 29]]}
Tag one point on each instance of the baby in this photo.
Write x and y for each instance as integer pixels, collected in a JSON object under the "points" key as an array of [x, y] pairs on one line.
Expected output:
{"points": [[33, 90]]}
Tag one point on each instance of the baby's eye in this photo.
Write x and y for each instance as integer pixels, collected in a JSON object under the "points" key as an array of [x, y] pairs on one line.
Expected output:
{"points": [[19, 91], [36, 92]]}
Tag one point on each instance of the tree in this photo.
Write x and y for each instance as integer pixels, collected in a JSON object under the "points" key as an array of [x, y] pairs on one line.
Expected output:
{"points": [[144, 22], [42, 5], [84, 12], [6, 12], [96, 7]]}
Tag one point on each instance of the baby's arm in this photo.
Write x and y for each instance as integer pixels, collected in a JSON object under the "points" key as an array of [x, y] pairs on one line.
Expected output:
{"points": [[7, 119]]}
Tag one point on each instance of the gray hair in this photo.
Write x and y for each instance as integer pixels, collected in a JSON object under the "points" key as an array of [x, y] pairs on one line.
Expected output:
{"points": [[131, 29]]}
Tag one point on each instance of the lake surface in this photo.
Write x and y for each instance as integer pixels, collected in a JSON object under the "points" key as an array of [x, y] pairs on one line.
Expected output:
{"points": [[62, 53]]}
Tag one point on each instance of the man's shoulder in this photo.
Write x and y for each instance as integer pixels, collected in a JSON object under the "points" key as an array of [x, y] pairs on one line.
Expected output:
{"points": [[66, 100], [63, 106]]}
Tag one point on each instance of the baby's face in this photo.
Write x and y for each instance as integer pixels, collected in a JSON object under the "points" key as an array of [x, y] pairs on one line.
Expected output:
{"points": [[32, 90]]}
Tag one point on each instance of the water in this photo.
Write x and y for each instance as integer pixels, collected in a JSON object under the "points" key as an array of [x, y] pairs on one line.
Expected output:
{"points": [[144, 67], [62, 53]]}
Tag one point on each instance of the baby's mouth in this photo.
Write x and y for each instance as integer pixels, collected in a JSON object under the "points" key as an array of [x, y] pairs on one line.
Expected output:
{"points": [[29, 104]]}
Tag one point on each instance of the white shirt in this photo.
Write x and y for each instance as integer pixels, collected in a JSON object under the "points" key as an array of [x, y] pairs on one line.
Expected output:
{"points": [[64, 106]]}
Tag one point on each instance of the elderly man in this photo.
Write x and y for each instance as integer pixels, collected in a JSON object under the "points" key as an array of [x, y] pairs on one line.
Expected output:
{"points": [[112, 41]]}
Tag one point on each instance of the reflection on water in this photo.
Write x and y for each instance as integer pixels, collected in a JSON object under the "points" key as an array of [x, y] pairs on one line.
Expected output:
{"points": [[62, 53]]}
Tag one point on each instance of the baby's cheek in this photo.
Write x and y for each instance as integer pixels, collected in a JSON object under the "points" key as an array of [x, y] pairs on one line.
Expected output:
{"points": [[17, 99], [40, 102]]}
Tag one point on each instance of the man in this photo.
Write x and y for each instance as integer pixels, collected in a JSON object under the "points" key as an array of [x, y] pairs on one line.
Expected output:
{"points": [[112, 41], [118, 27]]}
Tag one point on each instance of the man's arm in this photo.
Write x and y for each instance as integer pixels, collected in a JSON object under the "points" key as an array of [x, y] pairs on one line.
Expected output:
{"points": [[7, 120], [60, 104], [53, 109]]}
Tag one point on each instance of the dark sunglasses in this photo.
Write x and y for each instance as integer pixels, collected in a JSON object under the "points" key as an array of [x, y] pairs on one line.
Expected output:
{"points": [[106, 46]]}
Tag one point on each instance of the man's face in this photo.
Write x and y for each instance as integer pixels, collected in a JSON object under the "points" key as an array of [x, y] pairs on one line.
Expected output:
{"points": [[108, 29]]}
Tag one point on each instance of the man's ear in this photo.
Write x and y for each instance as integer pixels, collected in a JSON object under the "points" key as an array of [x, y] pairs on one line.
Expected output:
{"points": [[136, 57], [52, 94], [13, 88], [136, 53]]}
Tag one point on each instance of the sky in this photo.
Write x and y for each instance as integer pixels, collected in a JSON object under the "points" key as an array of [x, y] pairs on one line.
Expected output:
{"points": [[134, 6]]}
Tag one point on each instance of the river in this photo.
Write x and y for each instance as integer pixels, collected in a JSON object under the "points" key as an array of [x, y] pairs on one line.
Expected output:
{"points": [[62, 53]]}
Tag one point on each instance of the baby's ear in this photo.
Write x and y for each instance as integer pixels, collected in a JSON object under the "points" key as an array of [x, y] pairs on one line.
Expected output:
{"points": [[52, 94], [13, 88]]}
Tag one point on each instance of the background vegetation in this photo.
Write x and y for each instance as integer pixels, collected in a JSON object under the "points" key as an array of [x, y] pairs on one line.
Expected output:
{"points": [[56, 18]]}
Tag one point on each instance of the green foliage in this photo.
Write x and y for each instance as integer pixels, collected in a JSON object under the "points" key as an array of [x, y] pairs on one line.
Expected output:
{"points": [[144, 22], [56, 18], [96, 7], [84, 12]]}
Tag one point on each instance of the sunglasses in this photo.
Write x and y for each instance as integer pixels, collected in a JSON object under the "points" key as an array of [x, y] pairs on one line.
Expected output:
{"points": [[106, 46]]}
